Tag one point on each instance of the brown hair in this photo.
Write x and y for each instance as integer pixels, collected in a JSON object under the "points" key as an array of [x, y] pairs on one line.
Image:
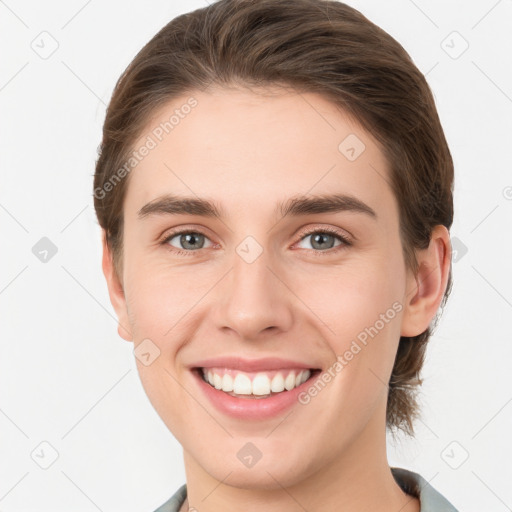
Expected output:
{"points": [[317, 46]]}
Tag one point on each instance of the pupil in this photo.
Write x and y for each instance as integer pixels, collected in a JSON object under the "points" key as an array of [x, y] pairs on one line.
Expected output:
{"points": [[189, 239], [320, 240]]}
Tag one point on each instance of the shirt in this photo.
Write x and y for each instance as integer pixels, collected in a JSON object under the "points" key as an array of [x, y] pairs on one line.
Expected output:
{"points": [[410, 482]]}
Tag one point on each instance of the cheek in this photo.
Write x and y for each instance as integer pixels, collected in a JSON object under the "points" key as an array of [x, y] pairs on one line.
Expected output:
{"points": [[150, 305], [163, 299], [155, 291], [360, 307], [352, 297]]}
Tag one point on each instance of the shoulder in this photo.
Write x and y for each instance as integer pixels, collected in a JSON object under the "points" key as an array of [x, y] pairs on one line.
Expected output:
{"points": [[174, 503], [415, 485]]}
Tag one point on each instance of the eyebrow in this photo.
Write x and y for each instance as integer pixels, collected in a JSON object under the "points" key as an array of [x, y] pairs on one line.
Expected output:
{"points": [[294, 206]]}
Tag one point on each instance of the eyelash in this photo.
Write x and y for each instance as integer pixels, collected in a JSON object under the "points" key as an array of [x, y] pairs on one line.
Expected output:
{"points": [[345, 242]]}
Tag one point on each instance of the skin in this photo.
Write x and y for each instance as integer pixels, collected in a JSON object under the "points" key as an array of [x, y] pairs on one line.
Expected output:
{"points": [[248, 151]]}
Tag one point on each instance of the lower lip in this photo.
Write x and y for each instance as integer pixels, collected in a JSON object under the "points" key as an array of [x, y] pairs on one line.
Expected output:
{"points": [[252, 408]]}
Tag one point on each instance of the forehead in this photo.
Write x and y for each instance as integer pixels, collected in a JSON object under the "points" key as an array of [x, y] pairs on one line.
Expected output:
{"points": [[251, 148]]}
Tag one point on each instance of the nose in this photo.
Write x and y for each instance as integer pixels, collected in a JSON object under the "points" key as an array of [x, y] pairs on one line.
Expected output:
{"points": [[253, 299]]}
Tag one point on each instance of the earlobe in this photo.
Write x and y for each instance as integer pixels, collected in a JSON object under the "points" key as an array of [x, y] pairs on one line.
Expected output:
{"points": [[116, 292], [426, 289]]}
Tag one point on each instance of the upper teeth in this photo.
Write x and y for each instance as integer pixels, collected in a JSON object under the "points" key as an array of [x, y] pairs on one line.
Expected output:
{"points": [[256, 384]]}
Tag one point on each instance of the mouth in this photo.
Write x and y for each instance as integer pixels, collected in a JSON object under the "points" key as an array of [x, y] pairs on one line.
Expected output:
{"points": [[255, 385]]}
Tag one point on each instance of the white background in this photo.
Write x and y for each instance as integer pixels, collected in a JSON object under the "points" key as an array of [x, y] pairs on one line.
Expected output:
{"points": [[67, 379]]}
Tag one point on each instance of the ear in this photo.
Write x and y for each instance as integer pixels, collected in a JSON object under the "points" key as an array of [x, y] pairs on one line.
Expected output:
{"points": [[116, 292], [425, 290]]}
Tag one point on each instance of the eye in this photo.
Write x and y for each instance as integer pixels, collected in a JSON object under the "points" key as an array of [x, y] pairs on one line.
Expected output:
{"points": [[186, 241], [324, 239]]}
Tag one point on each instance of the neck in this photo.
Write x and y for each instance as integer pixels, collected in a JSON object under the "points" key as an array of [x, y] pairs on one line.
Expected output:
{"points": [[359, 478]]}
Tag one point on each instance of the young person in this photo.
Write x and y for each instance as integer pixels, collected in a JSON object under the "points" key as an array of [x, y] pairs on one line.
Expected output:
{"points": [[275, 192]]}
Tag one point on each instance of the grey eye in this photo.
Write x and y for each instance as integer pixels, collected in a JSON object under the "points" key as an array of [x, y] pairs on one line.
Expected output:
{"points": [[321, 240], [189, 240]]}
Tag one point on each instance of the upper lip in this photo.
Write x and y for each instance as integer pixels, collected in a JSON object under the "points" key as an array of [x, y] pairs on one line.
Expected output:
{"points": [[251, 365]]}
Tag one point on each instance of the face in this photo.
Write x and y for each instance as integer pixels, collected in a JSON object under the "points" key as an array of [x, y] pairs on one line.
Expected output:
{"points": [[294, 267]]}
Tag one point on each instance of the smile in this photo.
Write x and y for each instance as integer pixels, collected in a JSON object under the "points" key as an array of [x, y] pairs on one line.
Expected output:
{"points": [[261, 384]]}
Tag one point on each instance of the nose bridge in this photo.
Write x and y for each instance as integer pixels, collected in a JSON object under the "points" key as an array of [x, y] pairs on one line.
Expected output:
{"points": [[253, 299]]}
